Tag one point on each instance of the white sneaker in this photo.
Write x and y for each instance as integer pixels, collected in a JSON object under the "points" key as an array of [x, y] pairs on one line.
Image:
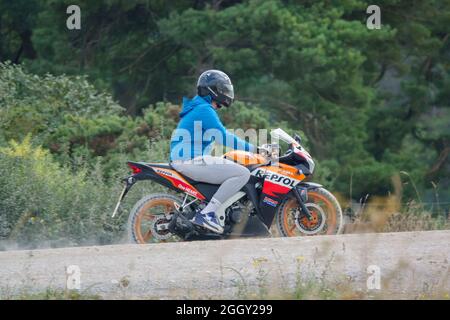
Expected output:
{"points": [[208, 221]]}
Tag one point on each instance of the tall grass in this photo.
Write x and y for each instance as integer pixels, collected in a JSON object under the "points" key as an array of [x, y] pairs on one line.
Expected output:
{"points": [[393, 213], [43, 204]]}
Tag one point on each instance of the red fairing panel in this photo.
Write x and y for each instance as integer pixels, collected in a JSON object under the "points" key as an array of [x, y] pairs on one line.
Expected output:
{"points": [[179, 182], [271, 188]]}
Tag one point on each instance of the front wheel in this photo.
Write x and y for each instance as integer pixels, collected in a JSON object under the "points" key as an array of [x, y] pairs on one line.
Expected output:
{"points": [[325, 211]]}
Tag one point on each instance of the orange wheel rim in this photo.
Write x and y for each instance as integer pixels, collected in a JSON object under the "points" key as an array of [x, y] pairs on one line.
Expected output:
{"points": [[144, 233], [314, 197]]}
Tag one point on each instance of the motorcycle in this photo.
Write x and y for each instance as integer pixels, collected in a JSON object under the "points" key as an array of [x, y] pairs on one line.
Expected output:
{"points": [[278, 189]]}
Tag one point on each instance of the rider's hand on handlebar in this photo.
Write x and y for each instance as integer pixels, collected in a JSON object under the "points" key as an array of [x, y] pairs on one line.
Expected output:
{"points": [[269, 150], [265, 148]]}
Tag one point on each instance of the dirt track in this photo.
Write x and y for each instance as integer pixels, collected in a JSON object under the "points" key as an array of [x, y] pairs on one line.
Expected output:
{"points": [[412, 264]]}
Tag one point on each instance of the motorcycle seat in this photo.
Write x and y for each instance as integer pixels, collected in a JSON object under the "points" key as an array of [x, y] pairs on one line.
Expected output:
{"points": [[161, 165], [168, 166]]}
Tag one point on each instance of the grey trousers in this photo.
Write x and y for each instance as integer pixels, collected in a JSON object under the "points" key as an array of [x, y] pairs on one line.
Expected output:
{"points": [[215, 170]]}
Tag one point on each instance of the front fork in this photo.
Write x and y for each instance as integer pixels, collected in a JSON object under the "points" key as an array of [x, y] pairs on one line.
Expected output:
{"points": [[301, 194], [129, 182]]}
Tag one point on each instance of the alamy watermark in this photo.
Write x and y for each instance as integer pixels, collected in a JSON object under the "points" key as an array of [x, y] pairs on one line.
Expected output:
{"points": [[73, 22], [374, 20], [374, 279], [215, 142], [73, 277]]}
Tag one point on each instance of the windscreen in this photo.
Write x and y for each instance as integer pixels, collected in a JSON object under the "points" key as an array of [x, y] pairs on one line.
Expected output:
{"points": [[280, 134]]}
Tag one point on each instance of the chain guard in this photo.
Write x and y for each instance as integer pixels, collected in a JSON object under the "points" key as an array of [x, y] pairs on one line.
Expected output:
{"points": [[181, 226]]}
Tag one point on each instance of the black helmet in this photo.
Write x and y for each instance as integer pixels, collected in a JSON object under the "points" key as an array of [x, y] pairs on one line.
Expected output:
{"points": [[218, 85]]}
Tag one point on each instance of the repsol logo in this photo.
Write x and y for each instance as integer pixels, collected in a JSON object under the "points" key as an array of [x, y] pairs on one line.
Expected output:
{"points": [[164, 172], [276, 178]]}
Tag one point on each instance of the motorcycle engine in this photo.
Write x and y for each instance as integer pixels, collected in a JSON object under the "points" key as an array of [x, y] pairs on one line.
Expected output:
{"points": [[239, 210], [235, 214]]}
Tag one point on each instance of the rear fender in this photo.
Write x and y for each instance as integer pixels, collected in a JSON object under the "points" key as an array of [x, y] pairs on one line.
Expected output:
{"points": [[165, 176], [142, 171]]}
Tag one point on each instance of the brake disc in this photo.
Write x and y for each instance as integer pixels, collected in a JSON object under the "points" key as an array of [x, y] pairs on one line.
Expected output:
{"points": [[311, 227], [160, 234]]}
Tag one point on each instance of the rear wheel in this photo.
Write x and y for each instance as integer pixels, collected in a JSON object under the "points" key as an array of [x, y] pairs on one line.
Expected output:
{"points": [[148, 219], [325, 211]]}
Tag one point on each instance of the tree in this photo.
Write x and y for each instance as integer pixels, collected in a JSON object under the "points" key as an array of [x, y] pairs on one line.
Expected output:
{"points": [[368, 100]]}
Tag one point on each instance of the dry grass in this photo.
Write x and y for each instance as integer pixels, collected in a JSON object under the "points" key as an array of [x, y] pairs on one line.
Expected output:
{"points": [[392, 214]]}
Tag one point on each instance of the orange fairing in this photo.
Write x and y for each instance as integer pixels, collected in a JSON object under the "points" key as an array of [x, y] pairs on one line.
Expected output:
{"points": [[245, 158], [179, 182], [278, 179], [286, 170]]}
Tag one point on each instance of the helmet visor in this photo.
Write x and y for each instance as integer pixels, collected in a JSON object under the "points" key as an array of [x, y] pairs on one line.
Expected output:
{"points": [[226, 89]]}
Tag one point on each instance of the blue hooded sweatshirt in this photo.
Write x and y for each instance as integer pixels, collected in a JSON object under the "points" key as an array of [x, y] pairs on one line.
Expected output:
{"points": [[198, 128]]}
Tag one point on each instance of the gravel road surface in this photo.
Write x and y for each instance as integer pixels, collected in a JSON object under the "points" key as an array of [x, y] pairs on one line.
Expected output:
{"points": [[409, 265]]}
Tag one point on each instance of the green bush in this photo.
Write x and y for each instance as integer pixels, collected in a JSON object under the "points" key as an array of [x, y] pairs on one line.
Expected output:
{"points": [[42, 201], [40, 104]]}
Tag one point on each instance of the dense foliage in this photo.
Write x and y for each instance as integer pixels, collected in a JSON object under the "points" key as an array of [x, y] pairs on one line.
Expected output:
{"points": [[370, 103]]}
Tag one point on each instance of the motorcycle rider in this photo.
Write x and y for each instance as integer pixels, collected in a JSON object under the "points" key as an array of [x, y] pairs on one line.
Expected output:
{"points": [[190, 147]]}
